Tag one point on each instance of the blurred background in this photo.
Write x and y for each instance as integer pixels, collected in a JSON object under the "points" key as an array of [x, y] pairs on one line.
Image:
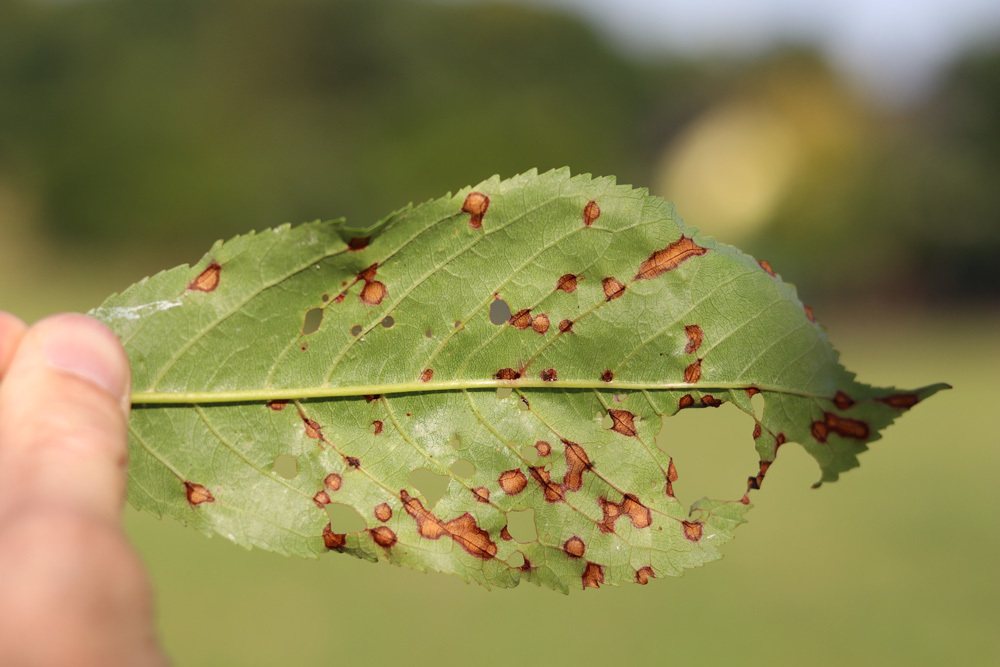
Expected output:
{"points": [[854, 144]]}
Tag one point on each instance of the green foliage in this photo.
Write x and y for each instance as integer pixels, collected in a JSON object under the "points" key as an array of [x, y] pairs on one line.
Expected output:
{"points": [[512, 348]]}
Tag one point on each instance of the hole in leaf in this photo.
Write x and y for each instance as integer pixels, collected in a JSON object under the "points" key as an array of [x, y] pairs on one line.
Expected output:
{"points": [[344, 518], [463, 468], [431, 485], [516, 560], [314, 317], [713, 451], [504, 392], [528, 452], [757, 401], [606, 421], [356, 330], [499, 311], [521, 525], [388, 321], [286, 465]]}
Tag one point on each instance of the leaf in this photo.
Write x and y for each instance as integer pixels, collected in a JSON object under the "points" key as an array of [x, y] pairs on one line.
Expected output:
{"points": [[518, 343]]}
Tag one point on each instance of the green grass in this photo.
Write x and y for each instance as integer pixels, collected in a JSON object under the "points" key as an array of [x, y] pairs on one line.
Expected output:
{"points": [[892, 565]]}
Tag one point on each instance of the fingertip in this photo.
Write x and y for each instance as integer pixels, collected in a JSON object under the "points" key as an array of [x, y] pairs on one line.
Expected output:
{"points": [[12, 329]]}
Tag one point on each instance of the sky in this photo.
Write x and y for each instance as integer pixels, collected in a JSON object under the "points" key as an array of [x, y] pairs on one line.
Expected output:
{"points": [[893, 48]]}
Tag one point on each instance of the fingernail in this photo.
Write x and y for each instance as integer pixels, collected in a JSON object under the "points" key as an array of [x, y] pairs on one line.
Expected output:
{"points": [[85, 348]]}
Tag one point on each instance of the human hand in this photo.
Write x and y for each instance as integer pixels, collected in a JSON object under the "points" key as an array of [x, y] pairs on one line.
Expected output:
{"points": [[72, 589]]}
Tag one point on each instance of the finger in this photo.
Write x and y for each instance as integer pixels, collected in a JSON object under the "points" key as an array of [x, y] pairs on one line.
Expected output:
{"points": [[11, 330], [63, 416]]}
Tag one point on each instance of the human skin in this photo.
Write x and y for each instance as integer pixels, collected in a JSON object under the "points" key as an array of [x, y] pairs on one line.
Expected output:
{"points": [[72, 589]]}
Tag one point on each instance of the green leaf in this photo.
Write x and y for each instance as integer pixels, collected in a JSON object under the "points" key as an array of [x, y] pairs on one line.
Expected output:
{"points": [[512, 348]]}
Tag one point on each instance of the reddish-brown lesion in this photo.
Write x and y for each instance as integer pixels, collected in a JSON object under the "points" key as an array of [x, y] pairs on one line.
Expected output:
{"points": [[668, 488], [755, 482], [373, 292], [644, 574], [710, 401], [352, 461], [512, 481], [669, 258], [333, 481], [692, 530], [900, 401], [565, 326], [693, 372], [383, 536], [333, 541], [543, 448], [377, 426], [623, 421], [842, 400], [639, 514], [427, 375], [476, 205], [567, 282], [577, 462], [549, 375], [321, 498], [613, 288], [695, 335], [521, 319], [810, 314], [505, 534], [593, 575], [383, 512], [608, 375], [313, 428], [463, 529], [197, 494], [207, 280], [277, 406], [552, 491], [358, 243], [574, 547], [540, 324], [685, 401], [507, 374], [591, 212], [766, 265], [842, 426], [482, 494]]}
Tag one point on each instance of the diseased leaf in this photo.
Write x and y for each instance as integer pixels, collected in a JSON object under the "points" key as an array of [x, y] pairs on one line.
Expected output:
{"points": [[512, 349]]}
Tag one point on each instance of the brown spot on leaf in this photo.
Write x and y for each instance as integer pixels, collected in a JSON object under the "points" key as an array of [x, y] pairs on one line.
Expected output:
{"points": [[686, 401], [333, 481], [669, 258], [567, 283], [383, 512], [693, 372], [373, 292], [692, 530], [313, 428], [565, 326], [277, 406], [593, 575], [521, 319], [607, 376], [463, 530], [505, 534], [369, 398], [694, 335], [574, 547], [613, 288], [322, 499], [756, 430], [353, 461], [553, 492], [426, 375], [377, 426], [541, 323], [368, 274], [755, 482], [710, 401], [383, 536], [507, 374], [333, 541], [842, 400], [639, 514], [672, 471], [512, 481], [842, 426], [482, 494], [900, 401], [623, 421], [644, 574], [766, 265], [549, 375], [577, 462], [752, 391], [526, 566], [779, 440], [810, 315], [207, 280], [358, 243], [543, 448], [591, 212], [197, 494], [476, 205]]}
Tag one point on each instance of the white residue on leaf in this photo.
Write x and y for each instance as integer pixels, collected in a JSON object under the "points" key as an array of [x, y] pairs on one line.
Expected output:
{"points": [[111, 313]]}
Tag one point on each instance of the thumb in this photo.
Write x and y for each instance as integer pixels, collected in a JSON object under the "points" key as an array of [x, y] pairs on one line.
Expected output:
{"points": [[63, 415]]}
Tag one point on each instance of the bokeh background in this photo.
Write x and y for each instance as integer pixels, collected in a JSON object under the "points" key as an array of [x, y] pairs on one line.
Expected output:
{"points": [[855, 145]]}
